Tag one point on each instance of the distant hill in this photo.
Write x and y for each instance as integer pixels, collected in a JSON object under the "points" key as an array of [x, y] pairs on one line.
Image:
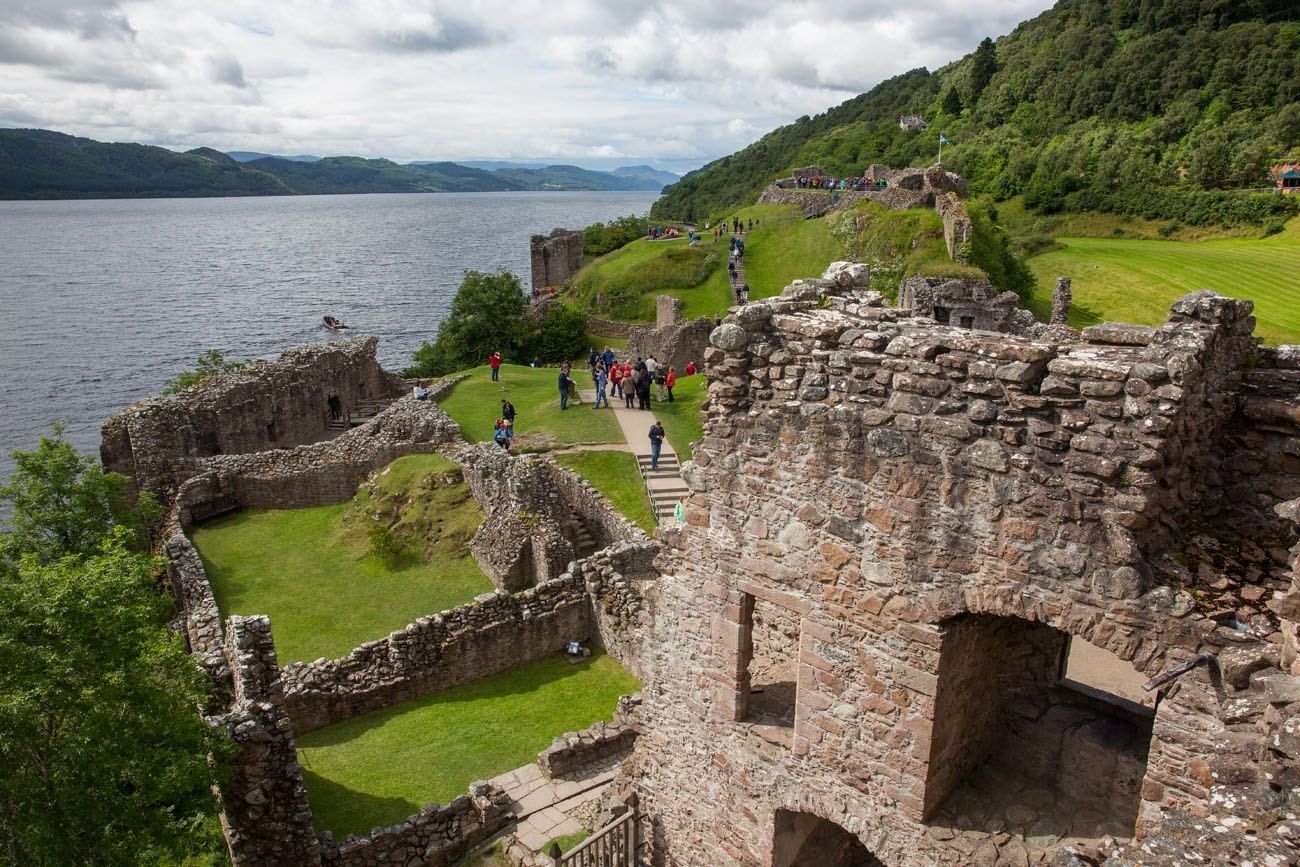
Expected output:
{"points": [[648, 174], [1154, 108], [40, 164], [249, 156]]}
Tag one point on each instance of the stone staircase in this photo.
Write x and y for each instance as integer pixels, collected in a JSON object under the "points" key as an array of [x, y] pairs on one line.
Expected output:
{"points": [[664, 485], [584, 543]]}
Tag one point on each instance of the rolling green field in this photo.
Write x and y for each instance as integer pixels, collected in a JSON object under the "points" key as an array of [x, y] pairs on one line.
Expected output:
{"points": [[475, 404], [377, 769], [615, 475], [311, 571], [1126, 280]]}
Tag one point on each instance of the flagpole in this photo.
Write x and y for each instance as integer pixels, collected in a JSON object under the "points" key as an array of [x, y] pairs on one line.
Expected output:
{"points": [[940, 162]]}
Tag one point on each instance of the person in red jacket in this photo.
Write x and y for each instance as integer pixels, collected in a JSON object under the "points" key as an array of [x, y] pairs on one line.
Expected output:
{"points": [[494, 361], [690, 368], [616, 380], [670, 379]]}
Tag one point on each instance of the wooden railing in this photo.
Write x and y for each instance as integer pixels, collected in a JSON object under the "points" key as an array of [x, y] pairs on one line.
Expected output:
{"points": [[614, 845]]}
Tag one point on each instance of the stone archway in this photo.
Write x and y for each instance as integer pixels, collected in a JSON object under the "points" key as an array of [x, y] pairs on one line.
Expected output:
{"points": [[805, 839]]}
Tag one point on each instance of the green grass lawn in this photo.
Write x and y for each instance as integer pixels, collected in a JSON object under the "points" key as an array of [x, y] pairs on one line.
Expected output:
{"points": [[378, 769], [1124, 280], [615, 475], [310, 570], [475, 404], [681, 418]]}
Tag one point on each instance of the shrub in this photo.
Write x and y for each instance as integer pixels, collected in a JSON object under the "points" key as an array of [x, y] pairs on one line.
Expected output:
{"points": [[210, 364], [385, 545], [486, 316], [563, 335], [601, 238]]}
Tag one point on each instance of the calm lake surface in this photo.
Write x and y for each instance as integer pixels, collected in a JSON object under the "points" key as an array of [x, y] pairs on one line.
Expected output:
{"points": [[104, 301]]}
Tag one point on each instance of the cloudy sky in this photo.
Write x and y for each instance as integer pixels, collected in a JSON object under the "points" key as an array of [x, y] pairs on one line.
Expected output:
{"points": [[600, 82]]}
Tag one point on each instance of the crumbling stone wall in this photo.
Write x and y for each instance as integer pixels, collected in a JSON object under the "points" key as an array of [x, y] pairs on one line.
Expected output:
{"points": [[495, 632], [573, 751], [883, 476], [621, 581], [556, 257], [266, 815], [437, 836], [973, 304], [958, 232], [267, 405], [673, 340]]}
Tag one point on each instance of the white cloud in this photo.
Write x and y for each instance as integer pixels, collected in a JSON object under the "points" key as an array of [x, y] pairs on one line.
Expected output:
{"points": [[600, 80]]}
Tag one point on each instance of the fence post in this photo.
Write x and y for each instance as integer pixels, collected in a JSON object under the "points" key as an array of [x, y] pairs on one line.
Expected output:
{"points": [[555, 854], [631, 836]]}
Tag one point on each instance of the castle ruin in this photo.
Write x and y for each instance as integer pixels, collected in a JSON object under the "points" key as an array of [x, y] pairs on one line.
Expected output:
{"points": [[555, 258]]}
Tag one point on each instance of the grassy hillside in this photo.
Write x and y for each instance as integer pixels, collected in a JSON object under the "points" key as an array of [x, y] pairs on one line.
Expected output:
{"points": [[1154, 108], [1134, 280]]}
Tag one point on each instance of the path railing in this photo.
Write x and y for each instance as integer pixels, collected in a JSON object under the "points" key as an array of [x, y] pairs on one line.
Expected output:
{"points": [[614, 845]]}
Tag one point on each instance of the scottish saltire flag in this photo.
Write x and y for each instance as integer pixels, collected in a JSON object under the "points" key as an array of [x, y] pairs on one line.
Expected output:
{"points": [[942, 140]]}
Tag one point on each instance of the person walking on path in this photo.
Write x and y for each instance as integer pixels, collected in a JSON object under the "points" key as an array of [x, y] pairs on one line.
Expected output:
{"points": [[508, 413], [601, 379], [656, 443], [670, 380], [494, 362], [616, 380], [563, 382], [629, 386], [643, 390]]}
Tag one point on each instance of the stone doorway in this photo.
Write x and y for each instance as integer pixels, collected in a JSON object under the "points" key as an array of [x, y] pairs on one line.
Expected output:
{"points": [[805, 840], [1018, 748]]}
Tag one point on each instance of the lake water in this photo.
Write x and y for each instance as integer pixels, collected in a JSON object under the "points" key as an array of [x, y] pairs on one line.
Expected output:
{"points": [[104, 301]]}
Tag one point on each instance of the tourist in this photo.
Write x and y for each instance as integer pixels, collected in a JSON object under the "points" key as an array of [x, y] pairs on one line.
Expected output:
{"points": [[537, 362], [717, 319], [602, 377], [731, 270], [691, 368], [608, 358], [744, 293], [656, 443], [629, 385], [616, 380], [336, 408], [494, 361], [660, 377], [508, 413], [563, 382], [502, 435], [651, 365], [643, 389], [670, 380], [592, 359]]}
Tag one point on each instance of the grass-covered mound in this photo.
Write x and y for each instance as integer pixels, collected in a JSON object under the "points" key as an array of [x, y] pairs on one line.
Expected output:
{"points": [[1128, 280], [615, 475], [378, 769], [319, 576], [475, 404]]}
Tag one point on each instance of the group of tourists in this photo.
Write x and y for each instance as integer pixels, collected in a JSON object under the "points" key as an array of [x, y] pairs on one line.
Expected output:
{"points": [[659, 233], [857, 185], [539, 292], [504, 432]]}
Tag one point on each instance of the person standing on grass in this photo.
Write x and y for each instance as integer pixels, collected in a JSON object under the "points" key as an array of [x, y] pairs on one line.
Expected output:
{"points": [[670, 380], [656, 443], [508, 413], [690, 368], [660, 377], [494, 362], [601, 378], [563, 383]]}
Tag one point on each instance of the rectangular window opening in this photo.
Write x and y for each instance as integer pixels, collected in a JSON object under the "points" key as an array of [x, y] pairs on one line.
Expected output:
{"points": [[772, 673], [1103, 675]]}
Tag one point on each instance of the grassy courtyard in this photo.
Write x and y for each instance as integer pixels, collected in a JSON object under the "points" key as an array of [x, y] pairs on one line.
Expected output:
{"points": [[1130, 280], [379, 768], [475, 404], [681, 418], [312, 572], [615, 475]]}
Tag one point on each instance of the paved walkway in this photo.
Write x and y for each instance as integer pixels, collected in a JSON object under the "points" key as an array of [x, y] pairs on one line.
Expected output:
{"points": [[547, 808], [665, 484]]}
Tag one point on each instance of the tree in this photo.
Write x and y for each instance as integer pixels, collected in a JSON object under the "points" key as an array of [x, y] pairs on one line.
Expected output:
{"points": [[952, 102], [984, 63], [564, 334], [209, 364], [105, 755], [486, 316], [65, 504]]}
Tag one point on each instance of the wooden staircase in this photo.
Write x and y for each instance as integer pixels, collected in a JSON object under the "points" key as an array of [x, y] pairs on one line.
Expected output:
{"points": [[362, 412]]}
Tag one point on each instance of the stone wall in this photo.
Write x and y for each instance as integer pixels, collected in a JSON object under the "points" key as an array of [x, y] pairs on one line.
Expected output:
{"points": [[598, 327], [573, 751], [675, 344], [881, 476], [267, 405], [967, 303], [957, 229], [555, 257], [437, 836], [266, 815], [495, 632], [620, 581]]}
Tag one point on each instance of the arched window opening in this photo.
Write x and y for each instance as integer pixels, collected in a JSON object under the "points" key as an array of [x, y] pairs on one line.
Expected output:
{"points": [[803, 840]]}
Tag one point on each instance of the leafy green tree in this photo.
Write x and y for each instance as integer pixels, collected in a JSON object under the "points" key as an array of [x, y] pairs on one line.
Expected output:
{"points": [[564, 334], [209, 364], [951, 104], [601, 238], [486, 316], [984, 63], [104, 752], [65, 504]]}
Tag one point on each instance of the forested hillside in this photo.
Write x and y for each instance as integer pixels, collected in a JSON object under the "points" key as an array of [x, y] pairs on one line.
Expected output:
{"points": [[1161, 108]]}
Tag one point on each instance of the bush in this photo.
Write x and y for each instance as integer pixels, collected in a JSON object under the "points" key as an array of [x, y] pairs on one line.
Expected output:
{"points": [[563, 335], [210, 364], [601, 238], [486, 316], [1168, 230], [385, 545]]}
